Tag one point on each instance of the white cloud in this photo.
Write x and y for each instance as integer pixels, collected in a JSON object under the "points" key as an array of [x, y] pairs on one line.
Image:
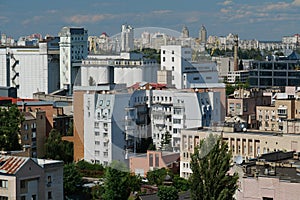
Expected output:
{"points": [[227, 2], [79, 19], [161, 12], [296, 2], [34, 19]]}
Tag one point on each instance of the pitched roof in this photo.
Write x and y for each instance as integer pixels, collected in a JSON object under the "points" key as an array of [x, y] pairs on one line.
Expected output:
{"points": [[11, 164], [294, 56]]}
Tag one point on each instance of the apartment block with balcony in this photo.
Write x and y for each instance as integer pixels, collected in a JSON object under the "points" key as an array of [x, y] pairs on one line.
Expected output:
{"points": [[115, 123]]}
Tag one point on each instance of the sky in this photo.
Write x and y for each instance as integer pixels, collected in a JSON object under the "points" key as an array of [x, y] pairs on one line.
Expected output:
{"points": [[250, 19]]}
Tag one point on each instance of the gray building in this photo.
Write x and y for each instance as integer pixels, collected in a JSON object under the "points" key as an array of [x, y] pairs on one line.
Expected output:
{"points": [[275, 72]]}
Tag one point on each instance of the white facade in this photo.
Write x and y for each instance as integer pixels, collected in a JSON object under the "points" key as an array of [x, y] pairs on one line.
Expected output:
{"points": [[30, 69], [73, 49], [125, 68], [116, 122], [178, 60], [127, 37], [104, 138], [174, 58]]}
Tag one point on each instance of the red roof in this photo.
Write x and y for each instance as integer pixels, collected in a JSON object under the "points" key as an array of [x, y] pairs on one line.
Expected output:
{"points": [[153, 85], [11, 164]]}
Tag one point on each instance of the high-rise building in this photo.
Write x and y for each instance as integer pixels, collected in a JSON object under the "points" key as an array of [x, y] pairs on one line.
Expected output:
{"points": [[127, 38], [73, 48], [185, 32], [203, 34]]}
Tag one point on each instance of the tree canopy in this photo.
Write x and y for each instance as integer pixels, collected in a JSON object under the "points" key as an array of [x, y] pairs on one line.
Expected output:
{"points": [[10, 121], [119, 183], [210, 164], [167, 193], [58, 149], [72, 179]]}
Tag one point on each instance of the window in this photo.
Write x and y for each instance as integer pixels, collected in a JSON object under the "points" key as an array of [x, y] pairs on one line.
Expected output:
{"points": [[173, 59], [172, 51], [23, 184], [97, 153], [97, 133], [176, 121], [97, 142], [3, 198], [231, 107], [49, 179], [25, 127], [33, 197], [151, 160], [49, 195], [23, 197], [172, 68], [164, 59], [164, 51], [3, 183]]}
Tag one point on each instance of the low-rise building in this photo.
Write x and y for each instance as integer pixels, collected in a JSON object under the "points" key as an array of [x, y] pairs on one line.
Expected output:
{"points": [[247, 145], [272, 176], [141, 164], [28, 178]]}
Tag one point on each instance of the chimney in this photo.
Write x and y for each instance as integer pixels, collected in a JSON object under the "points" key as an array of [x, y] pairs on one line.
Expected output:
{"points": [[235, 55]]}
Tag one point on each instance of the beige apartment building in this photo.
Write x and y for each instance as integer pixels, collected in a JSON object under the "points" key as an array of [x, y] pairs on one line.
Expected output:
{"points": [[282, 116], [242, 144], [243, 103]]}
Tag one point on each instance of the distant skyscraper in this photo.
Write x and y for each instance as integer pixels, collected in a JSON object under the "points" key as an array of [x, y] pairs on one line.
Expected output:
{"points": [[185, 32], [73, 48], [203, 34], [127, 37]]}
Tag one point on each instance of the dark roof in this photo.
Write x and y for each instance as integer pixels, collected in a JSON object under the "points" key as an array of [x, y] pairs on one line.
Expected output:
{"points": [[294, 56]]}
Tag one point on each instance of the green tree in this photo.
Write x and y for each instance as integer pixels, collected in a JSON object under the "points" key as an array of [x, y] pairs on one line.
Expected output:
{"points": [[72, 179], [10, 121], [229, 88], [157, 176], [210, 165], [118, 182], [167, 193], [58, 149], [180, 183]]}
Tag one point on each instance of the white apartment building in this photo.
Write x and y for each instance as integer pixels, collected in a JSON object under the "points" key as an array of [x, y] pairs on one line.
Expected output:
{"points": [[116, 121], [73, 48], [184, 72], [104, 138], [127, 38], [127, 68], [31, 69]]}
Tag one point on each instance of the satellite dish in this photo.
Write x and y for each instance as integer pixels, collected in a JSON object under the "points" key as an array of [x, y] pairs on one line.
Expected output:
{"points": [[238, 160]]}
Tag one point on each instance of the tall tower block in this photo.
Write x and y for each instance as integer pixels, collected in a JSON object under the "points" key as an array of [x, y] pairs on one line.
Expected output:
{"points": [[235, 55]]}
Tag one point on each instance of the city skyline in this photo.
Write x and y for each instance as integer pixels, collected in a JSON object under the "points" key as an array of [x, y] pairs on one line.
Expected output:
{"points": [[268, 20]]}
